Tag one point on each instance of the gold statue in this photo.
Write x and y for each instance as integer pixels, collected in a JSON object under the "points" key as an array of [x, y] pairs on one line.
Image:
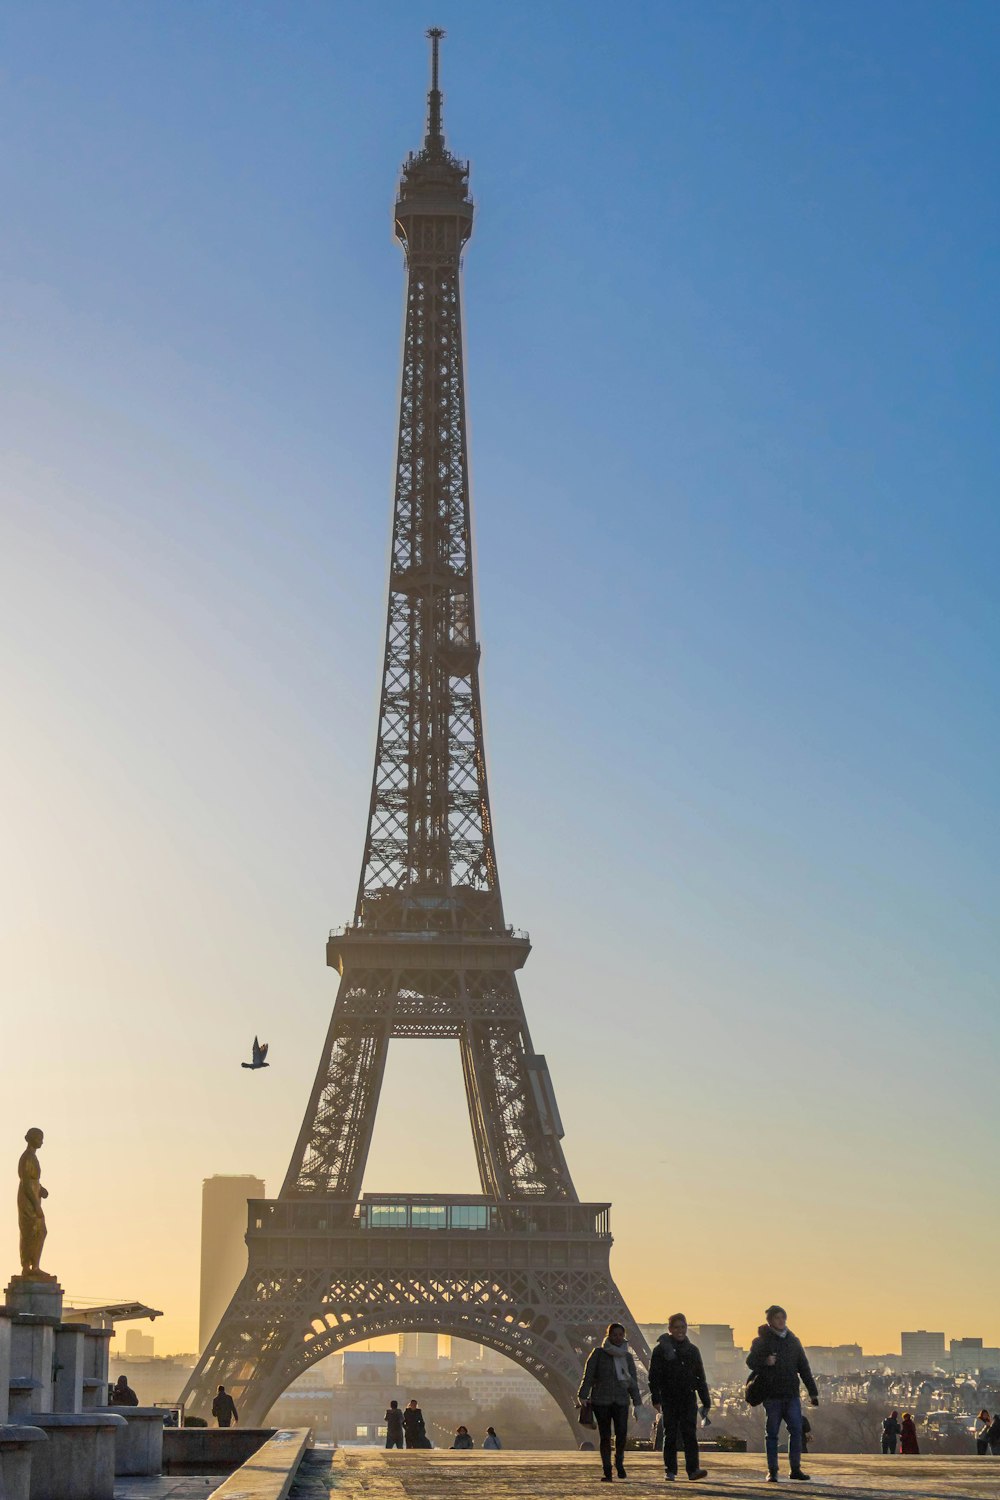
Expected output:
{"points": [[30, 1215]]}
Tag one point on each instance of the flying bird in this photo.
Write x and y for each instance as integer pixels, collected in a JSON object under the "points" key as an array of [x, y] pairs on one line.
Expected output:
{"points": [[259, 1054]]}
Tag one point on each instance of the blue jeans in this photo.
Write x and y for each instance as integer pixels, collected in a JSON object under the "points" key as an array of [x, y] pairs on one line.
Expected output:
{"points": [[787, 1409]]}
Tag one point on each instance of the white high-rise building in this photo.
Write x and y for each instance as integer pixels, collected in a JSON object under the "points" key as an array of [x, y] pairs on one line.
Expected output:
{"points": [[419, 1350], [223, 1245]]}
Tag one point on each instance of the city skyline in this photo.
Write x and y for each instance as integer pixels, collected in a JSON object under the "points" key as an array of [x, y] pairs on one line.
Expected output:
{"points": [[738, 737]]}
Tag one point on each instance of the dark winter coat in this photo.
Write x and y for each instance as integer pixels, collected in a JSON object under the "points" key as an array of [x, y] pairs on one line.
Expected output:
{"points": [[394, 1423], [224, 1409], [601, 1385], [992, 1435], [676, 1373], [413, 1423], [908, 1443], [891, 1428], [781, 1378]]}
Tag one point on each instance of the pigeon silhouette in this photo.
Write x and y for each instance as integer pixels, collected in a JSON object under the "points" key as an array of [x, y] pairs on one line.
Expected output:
{"points": [[259, 1054]]}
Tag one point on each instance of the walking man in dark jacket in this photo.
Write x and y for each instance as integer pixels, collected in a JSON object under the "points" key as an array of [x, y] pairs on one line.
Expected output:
{"points": [[677, 1383], [778, 1357], [393, 1426], [224, 1408], [890, 1432]]}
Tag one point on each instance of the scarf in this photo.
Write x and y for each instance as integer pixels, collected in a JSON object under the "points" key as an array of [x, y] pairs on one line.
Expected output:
{"points": [[619, 1353]]}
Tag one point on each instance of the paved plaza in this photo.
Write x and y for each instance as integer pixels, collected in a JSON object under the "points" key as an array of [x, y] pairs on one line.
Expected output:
{"points": [[441, 1475], [367, 1474]]}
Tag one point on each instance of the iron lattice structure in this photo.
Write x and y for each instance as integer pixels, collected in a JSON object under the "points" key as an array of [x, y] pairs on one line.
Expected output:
{"points": [[525, 1267]]}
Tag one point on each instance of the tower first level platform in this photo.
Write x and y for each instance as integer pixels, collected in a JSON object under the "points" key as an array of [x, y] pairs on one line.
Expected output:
{"points": [[530, 1280]]}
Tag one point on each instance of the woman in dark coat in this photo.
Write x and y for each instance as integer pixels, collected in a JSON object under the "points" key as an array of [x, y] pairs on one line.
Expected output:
{"points": [[610, 1383], [413, 1426], [908, 1439], [983, 1432]]}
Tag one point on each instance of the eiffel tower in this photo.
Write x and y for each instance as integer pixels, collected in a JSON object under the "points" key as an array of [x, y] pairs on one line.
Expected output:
{"points": [[522, 1267]]}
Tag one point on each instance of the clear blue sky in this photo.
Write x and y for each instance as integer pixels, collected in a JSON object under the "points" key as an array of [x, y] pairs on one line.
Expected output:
{"points": [[732, 344]]}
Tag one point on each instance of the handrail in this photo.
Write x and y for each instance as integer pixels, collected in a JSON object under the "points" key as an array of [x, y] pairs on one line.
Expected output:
{"points": [[351, 929]]}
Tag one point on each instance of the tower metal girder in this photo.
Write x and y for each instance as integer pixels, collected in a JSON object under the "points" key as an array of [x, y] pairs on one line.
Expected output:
{"points": [[427, 955]]}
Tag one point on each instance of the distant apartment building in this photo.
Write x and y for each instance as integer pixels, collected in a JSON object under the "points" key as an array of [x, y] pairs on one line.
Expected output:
{"points": [[724, 1360], [465, 1352], [418, 1350], [223, 1245], [306, 1406], [369, 1367], [139, 1345], [884, 1364], [488, 1387], [966, 1356], [922, 1350], [835, 1359], [315, 1378], [479, 1356], [971, 1357]]}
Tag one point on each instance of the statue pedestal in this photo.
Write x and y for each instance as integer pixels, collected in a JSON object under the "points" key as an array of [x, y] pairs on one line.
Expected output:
{"points": [[139, 1445], [35, 1298], [15, 1459], [4, 1366], [67, 1382], [95, 1368], [32, 1354], [78, 1461]]}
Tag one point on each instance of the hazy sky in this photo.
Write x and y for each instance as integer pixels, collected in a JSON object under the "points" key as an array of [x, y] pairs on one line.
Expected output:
{"points": [[732, 331]]}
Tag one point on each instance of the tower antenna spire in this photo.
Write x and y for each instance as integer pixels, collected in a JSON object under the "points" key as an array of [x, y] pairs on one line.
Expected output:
{"points": [[435, 133]]}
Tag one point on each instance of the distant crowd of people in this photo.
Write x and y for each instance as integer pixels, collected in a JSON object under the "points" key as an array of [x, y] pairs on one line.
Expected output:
{"points": [[405, 1428], [899, 1433]]}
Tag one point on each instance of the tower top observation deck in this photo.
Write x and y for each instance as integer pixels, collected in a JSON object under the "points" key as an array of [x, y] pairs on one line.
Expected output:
{"points": [[433, 181]]}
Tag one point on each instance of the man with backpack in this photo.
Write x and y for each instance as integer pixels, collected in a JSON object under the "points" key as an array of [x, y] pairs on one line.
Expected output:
{"points": [[778, 1361], [677, 1383]]}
